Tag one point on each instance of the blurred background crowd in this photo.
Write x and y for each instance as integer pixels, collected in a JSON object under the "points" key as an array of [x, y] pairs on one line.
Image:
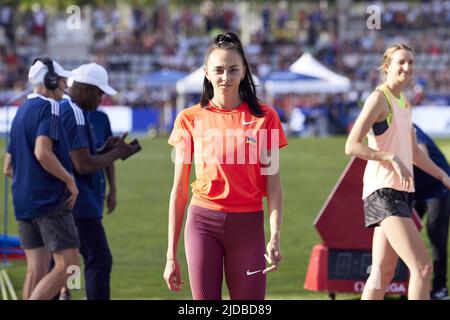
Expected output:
{"points": [[135, 39]]}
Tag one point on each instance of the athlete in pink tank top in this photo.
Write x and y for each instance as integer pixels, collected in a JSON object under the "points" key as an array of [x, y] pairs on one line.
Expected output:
{"points": [[388, 180]]}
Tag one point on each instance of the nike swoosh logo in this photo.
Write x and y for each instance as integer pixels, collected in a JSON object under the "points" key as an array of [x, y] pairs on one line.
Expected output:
{"points": [[249, 273], [248, 122]]}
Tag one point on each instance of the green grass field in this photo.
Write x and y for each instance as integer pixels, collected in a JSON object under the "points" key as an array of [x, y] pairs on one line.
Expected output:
{"points": [[137, 230]]}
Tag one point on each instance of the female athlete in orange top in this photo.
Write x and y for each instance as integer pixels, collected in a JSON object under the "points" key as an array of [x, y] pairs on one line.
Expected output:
{"points": [[234, 142]]}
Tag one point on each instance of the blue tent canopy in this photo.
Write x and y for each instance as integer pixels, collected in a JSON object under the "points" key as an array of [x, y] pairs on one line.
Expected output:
{"points": [[288, 76], [9, 241]]}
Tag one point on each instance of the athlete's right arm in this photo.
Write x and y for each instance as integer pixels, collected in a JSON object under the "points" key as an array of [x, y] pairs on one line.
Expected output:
{"points": [[43, 151], [375, 109], [177, 206], [7, 166]]}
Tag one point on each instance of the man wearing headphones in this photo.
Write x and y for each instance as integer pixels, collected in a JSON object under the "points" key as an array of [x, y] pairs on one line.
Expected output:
{"points": [[43, 187]]}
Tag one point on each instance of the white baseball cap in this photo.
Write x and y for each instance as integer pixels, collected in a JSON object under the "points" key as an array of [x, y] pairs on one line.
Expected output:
{"points": [[39, 69], [94, 74]]}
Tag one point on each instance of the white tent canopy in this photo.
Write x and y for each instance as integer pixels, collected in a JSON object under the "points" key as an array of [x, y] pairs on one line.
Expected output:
{"points": [[307, 75], [192, 83]]}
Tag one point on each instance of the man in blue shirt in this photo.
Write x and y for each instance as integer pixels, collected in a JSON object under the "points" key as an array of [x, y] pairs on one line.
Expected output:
{"points": [[102, 131], [433, 198], [43, 188], [90, 83]]}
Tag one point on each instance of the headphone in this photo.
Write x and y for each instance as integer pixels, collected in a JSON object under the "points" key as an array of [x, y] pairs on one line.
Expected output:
{"points": [[51, 78]]}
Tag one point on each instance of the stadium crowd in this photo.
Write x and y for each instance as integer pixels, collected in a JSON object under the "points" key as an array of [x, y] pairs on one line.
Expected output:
{"points": [[133, 41]]}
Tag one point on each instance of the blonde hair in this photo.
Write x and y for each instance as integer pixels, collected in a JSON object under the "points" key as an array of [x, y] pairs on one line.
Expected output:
{"points": [[387, 57]]}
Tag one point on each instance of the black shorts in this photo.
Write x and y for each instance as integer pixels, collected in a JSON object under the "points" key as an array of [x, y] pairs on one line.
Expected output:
{"points": [[387, 202], [56, 231]]}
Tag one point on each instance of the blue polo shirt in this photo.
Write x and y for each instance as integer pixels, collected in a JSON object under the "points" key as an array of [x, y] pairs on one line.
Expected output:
{"points": [[102, 129], [426, 186], [102, 126], [80, 134], [35, 191]]}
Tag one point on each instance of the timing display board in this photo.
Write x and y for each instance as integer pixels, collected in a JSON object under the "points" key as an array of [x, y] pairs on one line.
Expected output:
{"points": [[354, 264]]}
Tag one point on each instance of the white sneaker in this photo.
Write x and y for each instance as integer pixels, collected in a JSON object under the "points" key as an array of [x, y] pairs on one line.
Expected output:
{"points": [[441, 294]]}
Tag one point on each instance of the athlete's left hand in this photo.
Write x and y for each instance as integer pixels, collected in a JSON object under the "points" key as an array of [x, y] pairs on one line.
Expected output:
{"points": [[172, 275], [273, 255]]}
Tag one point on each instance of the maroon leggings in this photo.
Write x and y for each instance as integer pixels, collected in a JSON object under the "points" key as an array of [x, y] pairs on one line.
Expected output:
{"points": [[216, 241]]}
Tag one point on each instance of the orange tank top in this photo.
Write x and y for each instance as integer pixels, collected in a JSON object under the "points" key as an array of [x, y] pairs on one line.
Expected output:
{"points": [[396, 139]]}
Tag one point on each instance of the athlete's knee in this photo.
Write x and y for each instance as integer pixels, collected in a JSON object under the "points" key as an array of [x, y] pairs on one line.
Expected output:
{"points": [[380, 277], [60, 267], [426, 270], [423, 270], [37, 271], [387, 274], [72, 258], [65, 259]]}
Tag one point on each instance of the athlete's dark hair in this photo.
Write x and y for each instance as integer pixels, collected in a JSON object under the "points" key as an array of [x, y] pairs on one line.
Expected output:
{"points": [[247, 88]]}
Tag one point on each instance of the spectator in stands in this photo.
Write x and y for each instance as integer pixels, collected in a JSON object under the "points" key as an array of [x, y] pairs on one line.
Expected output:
{"points": [[6, 22], [39, 19], [354, 56]]}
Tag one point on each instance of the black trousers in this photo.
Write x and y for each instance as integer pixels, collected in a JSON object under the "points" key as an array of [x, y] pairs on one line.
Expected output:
{"points": [[438, 212], [97, 258]]}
